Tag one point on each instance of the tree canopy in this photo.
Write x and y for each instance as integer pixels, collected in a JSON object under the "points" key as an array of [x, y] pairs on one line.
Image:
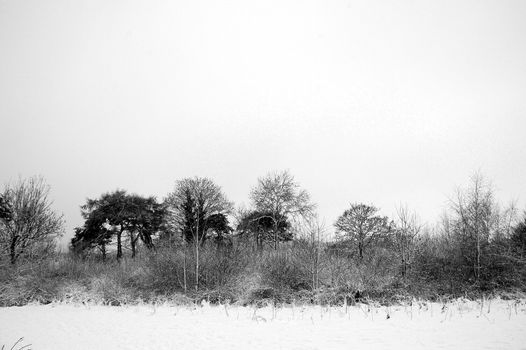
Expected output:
{"points": [[198, 207], [278, 197], [116, 213], [474, 220], [260, 226], [28, 222], [360, 225]]}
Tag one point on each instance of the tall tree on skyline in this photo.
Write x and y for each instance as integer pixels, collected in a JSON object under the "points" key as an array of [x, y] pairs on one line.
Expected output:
{"points": [[195, 206], [474, 221], [279, 197], [116, 213], [361, 226]]}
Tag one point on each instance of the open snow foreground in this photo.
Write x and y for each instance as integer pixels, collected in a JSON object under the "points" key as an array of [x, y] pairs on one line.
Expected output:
{"points": [[495, 324]]}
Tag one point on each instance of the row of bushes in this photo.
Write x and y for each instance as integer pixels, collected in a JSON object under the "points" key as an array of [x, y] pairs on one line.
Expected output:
{"points": [[225, 275], [240, 275]]}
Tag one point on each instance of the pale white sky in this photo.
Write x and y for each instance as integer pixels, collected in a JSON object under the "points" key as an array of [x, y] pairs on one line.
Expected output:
{"points": [[381, 102]]}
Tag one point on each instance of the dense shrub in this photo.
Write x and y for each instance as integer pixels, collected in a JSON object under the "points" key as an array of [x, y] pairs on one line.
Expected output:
{"points": [[237, 274]]}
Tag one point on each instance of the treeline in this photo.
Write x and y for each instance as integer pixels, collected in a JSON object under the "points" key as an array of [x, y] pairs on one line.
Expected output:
{"points": [[195, 243], [197, 212]]}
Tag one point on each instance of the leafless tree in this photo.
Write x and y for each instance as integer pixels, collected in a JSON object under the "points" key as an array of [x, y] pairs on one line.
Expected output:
{"points": [[5, 210], [508, 219], [193, 196], [406, 231], [476, 220], [361, 226], [33, 223], [279, 195], [192, 202], [311, 245]]}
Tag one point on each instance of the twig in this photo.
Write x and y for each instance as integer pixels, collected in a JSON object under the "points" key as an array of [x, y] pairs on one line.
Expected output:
{"points": [[18, 341]]}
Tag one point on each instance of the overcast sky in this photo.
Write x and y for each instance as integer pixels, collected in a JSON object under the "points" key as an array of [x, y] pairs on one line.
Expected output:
{"points": [[380, 102]]}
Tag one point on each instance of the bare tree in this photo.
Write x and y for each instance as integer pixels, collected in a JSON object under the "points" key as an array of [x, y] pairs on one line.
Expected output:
{"points": [[33, 224], [407, 229], [191, 205], [5, 209], [279, 197], [476, 220], [508, 219], [311, 243], [361, 226]]}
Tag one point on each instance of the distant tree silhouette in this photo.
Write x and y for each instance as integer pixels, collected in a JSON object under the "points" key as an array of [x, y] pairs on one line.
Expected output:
{"points": [[278, 197], [197, 208], [146, 217], [217, 226], [94, 233], [261, 227], [474, 221], [361, 226], [114, 214]]}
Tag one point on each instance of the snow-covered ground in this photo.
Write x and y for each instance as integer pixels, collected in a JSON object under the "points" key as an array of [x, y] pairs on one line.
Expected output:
{"points": [[495, 324]]}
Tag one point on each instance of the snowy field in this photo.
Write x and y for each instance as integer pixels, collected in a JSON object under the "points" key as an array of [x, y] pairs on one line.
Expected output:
{"points": [[495, 324]]}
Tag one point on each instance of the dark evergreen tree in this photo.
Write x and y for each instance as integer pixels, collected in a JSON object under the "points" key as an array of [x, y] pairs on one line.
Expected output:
{"points": [[217, 227], [265, 227], [117, 213], [145, 217], [198, 208]]}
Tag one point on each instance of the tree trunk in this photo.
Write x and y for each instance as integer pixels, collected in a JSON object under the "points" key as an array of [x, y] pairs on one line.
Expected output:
{"points": [[478, 257], [133, 243], [275, 234], [12, 250], [360, 250], [103, 250], [259, 241], [184, 264], [119, 245], [197, 254]]}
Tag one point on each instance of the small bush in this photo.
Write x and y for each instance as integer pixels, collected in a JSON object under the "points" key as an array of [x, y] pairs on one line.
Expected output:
{"points": [[281, 271]]}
